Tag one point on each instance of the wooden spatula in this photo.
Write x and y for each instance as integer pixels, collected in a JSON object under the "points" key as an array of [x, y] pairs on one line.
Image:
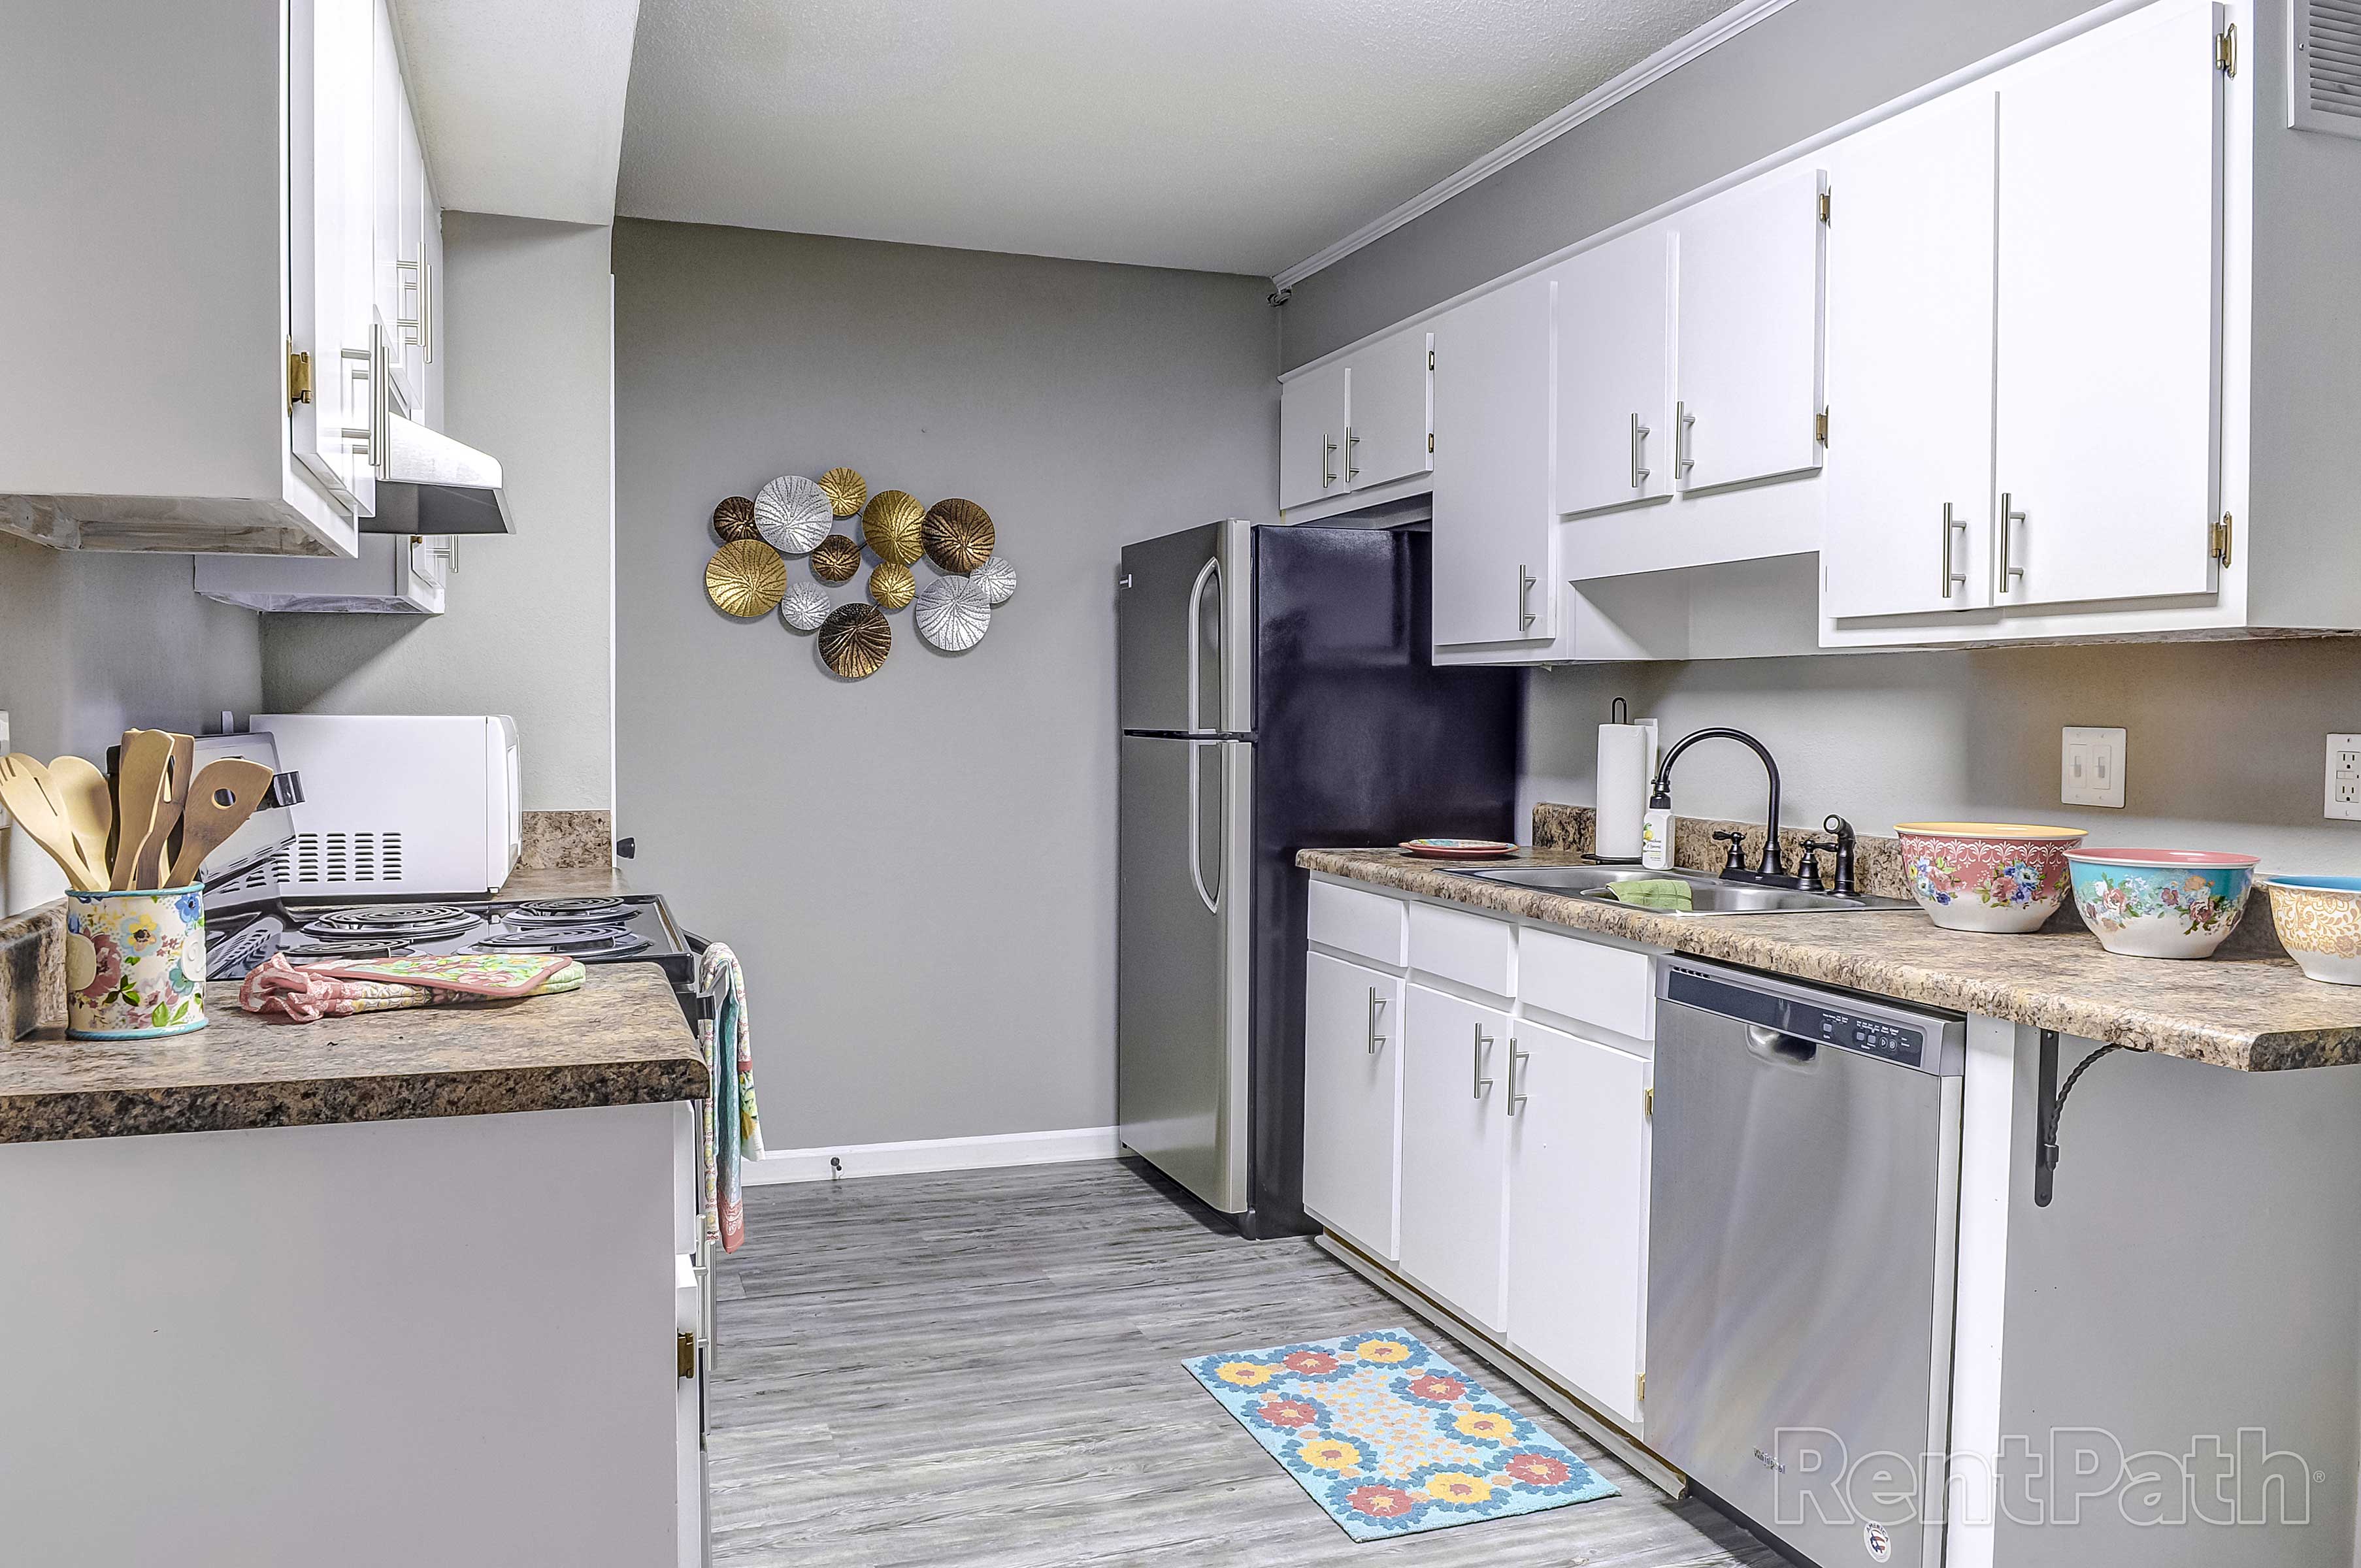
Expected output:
{"points": [[31, 798], [89, 808], [168, 811], [220, 800], [140, 772]]}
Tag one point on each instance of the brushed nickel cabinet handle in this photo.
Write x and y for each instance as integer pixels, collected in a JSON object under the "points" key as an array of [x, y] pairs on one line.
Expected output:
{"points": [[1950, 578], [2008, 514], [1525, 581], [1684, 441], [1639, 434], [1327, 469], [1376, 1008], [1483, 1084], [1517, 1058], [1352, 457]]}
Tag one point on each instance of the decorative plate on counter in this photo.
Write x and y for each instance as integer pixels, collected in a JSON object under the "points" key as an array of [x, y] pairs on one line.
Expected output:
{"points": [[957, 535], [745, 578], [846, 491], [854, 640], [792, 513], [1458, 848], [891, 525]]}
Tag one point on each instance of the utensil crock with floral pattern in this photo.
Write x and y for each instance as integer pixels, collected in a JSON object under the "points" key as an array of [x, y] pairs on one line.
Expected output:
{"points": [[135, 963], [1987, 876]]}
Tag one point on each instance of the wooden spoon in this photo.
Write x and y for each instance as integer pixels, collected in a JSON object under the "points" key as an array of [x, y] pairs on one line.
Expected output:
{"points": [[32, 799], [149, 870], [89, 806], [220, 800], [140, 772]]}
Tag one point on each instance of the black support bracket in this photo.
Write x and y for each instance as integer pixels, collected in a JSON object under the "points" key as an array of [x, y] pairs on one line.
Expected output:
{"points": [[2048, 1106]]}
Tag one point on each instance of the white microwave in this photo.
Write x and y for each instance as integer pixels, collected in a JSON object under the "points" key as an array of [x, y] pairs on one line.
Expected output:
{"points": [[418, 806]]}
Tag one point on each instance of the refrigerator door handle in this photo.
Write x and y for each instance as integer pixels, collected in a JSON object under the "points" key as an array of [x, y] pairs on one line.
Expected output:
{"points": [[1210, 572], [1211, 899]]}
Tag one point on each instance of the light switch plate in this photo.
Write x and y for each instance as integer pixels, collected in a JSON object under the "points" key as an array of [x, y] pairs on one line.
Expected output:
{"points": [[2090, 767], [2344, 799]]}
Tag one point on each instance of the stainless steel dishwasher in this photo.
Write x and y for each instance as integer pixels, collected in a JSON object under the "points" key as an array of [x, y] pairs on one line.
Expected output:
{"points": [[1802, 1249]]}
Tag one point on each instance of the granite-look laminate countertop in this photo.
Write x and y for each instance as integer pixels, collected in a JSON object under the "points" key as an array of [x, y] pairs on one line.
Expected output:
{"points": [[2256, 1012], [620, 1040]]}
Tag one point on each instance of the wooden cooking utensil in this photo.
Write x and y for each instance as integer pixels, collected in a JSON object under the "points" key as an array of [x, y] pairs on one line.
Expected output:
{"points": [[140, 770], [150, 869], [32, 799], [220, 800], [89, 806]]}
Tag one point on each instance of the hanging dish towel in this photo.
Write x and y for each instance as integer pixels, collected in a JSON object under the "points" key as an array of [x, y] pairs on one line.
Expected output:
{"points": [[733, 1128], [309, 991]]}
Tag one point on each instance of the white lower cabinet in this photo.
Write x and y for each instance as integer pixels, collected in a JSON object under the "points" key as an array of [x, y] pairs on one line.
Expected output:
{"points": [[1454, 1139], [1578, 1213], [1352, 1101]]}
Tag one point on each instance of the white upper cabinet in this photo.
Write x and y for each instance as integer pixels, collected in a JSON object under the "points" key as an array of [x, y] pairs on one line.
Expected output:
{"points": [[1312, 418], [1908, 525], [1495, 518], [2110, 300], [1390, 435], [1748, 368], [1614, 373], [330, 316]]}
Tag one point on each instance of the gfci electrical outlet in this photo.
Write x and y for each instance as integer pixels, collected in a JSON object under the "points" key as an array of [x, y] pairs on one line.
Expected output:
{"points": [[2343, 777], [2090, 768]]}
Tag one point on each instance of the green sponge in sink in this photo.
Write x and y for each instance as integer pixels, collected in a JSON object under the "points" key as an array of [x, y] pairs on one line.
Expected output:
{"points": [[1663, 892]]}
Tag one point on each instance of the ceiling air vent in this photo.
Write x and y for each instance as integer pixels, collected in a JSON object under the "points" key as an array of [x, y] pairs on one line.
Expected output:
{"points": [[2325, 77]]}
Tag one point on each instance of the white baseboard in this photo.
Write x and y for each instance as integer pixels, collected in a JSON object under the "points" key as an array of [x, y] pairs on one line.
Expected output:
{"points": [[932, 1153]]}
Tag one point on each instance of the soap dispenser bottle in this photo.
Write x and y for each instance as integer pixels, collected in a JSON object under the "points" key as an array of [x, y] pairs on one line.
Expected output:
{"points": [[1656, 832]]}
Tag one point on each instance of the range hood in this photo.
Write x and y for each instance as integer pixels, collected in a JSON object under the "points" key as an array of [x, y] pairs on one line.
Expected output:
{"points": [[431, 484]]}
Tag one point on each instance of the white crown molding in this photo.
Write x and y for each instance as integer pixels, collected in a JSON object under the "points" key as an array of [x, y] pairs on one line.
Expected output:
{"points": [[1591, 104], [993, 1151]]}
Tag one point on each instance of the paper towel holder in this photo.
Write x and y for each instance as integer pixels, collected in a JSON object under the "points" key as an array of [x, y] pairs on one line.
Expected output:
{"points": [[1617, 712]]}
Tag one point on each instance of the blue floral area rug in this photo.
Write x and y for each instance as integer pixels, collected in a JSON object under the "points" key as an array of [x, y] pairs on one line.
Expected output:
{"points": [[1391, 1438]]}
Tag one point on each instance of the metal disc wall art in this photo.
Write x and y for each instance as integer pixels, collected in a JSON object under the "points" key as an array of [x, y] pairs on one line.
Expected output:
{"points": [[891, 586], [995, 580], [804, 608], [892, 524], [952, 615], [957, 535], [854, 640], [846, 491], [792, 513], [745, 578], [835, 559], [734, 519]]}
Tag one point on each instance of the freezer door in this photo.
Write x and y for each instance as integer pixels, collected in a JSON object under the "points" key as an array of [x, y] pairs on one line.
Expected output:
{"points": [[1180, 604], [1181, 976]]}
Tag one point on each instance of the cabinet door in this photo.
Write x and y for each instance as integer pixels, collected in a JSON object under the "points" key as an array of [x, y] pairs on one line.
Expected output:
{"points": [[1454, 1145], [390, 105], [1614, 373], [1910, 354], [1390, 434], [1352, 1101], [2110, 313], [1312, 414], [1578, 1213], [406, 347], [1748, 370], [329, 219], [432, 298], [1495, 522]]}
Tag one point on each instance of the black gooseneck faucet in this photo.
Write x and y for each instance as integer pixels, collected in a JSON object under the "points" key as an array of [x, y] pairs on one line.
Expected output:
{"points": [[1773, 866]]}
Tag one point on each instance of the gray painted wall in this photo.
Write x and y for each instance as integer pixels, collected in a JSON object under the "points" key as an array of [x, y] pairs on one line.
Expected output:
{"points": [[94, 641], [919, 869], [528, 621]]}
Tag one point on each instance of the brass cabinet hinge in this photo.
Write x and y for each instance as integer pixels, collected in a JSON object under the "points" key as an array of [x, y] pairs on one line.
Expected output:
{"points": [[2225, 50], [684, 1354], [1820, 427], [1647, 1103], [1430, 359], [299, 377], [2217, 540], [1643, 1385], [1825, 205], [1430, 445]]}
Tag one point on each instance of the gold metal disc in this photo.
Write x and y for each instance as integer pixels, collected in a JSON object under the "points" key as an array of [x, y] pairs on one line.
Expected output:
{"points": [[835, 559], [892, 524], [745, 578], [957, 535], [846, 491]]}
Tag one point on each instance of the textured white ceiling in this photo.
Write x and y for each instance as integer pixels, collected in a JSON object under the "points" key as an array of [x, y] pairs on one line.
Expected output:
{"points": [[520, 103], [1235, 136]]}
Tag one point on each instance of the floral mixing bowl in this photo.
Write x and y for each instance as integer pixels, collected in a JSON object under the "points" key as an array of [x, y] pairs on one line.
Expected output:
{"points": [[2318, 923], [2160, 904], [135, 963], [1987, 876]]}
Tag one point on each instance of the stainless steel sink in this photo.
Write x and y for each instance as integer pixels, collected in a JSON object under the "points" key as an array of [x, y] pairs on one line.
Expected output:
{"points": [[1707, 895]]}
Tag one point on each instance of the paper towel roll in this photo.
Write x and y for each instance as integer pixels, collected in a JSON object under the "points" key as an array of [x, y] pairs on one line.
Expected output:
{"points": [[1624, 760]]}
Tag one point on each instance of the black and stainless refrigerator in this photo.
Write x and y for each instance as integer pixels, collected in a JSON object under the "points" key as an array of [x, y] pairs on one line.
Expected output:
{"points": [[1275, 694]]}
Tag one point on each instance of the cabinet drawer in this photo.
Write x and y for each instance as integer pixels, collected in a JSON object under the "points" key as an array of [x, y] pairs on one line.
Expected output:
{"points": [[1470, 948], [1368, 924], [1588, 980]]}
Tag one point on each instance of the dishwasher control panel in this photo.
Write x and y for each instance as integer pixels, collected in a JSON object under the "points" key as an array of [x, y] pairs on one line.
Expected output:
{"points": [[1821, 1016]]}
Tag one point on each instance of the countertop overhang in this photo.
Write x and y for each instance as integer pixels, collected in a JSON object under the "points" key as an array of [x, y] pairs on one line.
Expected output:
{"points": [[620, 1040], [2252, 1013]]}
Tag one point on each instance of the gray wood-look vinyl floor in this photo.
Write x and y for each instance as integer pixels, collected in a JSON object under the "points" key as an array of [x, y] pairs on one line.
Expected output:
{"points": [[983, 1370]]}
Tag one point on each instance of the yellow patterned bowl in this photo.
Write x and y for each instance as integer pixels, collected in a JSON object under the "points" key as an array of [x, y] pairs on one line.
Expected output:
{"points": [[2318, 923]]}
